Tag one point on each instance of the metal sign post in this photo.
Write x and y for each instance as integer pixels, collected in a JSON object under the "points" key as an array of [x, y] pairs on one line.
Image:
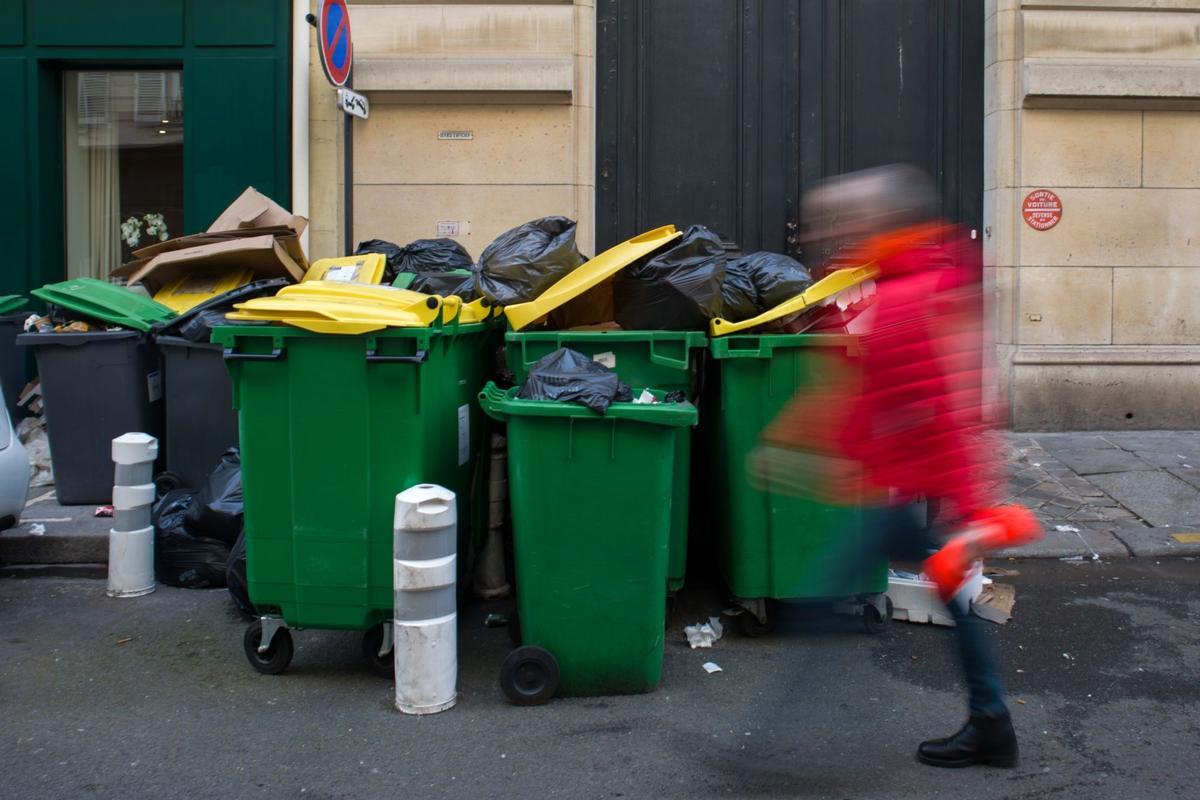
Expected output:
{"points": [[332, 22]]}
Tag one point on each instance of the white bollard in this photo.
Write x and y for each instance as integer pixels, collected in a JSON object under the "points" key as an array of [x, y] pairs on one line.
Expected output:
{"points": [[131, 540], [425, 626]]}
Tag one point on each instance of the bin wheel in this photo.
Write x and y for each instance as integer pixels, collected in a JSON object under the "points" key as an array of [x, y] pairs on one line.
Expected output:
{"points": [[529, 676], [277, 657], [167, 482], [874, 623], [514, 628], [749, 624], [383, 666]]}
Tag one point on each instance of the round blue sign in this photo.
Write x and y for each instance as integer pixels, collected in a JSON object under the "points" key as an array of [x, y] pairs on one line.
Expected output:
{"points": [[333, 33]]}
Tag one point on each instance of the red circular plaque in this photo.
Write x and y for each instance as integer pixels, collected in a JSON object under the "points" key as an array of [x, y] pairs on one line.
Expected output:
{"points": [[1042, 209]]}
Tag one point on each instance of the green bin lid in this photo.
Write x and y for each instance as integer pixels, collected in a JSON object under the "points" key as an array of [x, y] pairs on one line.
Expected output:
{"points": [[12, 302], [106, 302]]}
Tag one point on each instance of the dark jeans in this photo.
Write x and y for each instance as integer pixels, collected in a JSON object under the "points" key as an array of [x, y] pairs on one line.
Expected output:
{"points": [[900, 533]]}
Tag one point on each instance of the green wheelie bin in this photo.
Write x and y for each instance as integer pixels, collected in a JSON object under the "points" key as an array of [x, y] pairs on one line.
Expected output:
{"points": [[332, 426], [773, 545], [591, 512], [669, 361]]}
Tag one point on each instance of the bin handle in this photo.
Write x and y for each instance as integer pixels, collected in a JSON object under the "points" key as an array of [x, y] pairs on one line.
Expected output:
{"points": [[747, 352], [276, 354], [419, 357], [669, 361], [490, 398]]}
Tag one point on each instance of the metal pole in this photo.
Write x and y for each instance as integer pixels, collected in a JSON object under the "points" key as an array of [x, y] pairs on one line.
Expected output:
{"points": [[348, 175]]}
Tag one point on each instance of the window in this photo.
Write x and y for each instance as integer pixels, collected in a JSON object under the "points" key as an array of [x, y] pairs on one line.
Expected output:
{"points": [[123, 163]]}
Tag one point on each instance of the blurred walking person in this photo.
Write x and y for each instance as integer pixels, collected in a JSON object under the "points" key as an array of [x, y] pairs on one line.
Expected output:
{"points": [[907, 421]]}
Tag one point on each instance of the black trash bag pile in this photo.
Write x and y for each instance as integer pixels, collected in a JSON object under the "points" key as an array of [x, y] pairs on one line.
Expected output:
{"points": [[759, 282], [235, 577], [194, 529], [420, 257], [525, 261], [456, 281], [676, 289], [196, 323], [568, 376], [777, 278], [738, 295]]}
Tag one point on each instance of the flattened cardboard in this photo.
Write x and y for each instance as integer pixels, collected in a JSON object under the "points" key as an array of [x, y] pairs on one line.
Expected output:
{"points": [[263, 255]]}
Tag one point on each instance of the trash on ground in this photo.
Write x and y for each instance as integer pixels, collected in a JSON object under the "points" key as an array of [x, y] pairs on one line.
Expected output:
{"points": [[37, 529], [567, 376], [999, 572], [1066, 528], [32, 433], [235, 576], [495, 621], [710, 667], [914, 597], [103, 511], [125, 640], [676, 289], [995, 602], [704, 634], [195, 529]]}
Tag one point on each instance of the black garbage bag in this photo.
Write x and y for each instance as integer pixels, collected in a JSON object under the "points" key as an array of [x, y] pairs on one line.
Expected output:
{"points": [[434, 255], [217, 510], [196, 323], [525, 261], [235, 577], [568, 376], [739, 300], [460, 282], [180, 558], [391, 251], [677, 289], [777, 278]]}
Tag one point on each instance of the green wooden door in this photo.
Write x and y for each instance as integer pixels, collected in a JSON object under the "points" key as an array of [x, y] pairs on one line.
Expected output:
{"points": [[235, 57]]}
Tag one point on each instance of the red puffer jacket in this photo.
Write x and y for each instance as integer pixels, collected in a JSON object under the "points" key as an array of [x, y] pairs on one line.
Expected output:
{"points": [[907, 409]]}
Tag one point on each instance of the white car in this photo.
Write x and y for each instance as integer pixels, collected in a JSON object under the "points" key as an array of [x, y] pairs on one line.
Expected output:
{"points": [[14, 473]]}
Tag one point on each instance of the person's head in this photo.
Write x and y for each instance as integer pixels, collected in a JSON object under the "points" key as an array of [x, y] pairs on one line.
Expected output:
{"points": [[857, 205]]}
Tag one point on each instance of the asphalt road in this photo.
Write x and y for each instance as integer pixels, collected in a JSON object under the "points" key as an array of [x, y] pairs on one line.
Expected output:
{"points": [[1104, 657]]}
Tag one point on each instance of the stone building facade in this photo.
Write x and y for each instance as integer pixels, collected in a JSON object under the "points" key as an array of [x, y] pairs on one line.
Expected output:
{"points": [[1097, 318]]}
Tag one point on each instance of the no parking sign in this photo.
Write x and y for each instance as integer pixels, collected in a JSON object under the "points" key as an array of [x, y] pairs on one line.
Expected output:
{"points": [[333, 39]]}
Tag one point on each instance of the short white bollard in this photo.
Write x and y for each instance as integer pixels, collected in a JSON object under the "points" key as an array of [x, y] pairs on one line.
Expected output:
{"points": [[426, 618], [131, 540]]}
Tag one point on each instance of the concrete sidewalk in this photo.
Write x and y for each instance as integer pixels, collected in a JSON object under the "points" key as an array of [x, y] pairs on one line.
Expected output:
{"points": [[1109, 494], [1106, 495]]}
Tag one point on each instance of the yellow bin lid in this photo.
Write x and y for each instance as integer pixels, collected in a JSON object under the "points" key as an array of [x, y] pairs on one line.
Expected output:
{"points": [[587, 276], [824, 289], [366, 268], [193, 288], [348, 308]]}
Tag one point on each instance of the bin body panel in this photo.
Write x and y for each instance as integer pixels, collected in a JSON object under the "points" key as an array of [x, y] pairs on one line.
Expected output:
{"points": [[95, 387], [328, 440], [200, 421], [666, 360], [591, 513], [773, 544]]}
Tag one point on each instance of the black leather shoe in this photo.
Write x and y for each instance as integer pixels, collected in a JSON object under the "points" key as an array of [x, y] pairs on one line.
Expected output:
{"points": [[983, 740]]}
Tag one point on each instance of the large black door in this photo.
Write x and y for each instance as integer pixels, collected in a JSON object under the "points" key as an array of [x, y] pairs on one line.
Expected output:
{"points": [[720, 112]]}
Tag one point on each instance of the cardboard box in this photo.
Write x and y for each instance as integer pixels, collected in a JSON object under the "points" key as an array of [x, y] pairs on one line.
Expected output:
{"points": [[265, 256], [253, 209], [254, 233]]}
